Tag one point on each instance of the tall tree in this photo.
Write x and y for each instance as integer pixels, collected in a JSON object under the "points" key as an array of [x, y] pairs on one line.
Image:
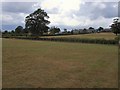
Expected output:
{"points": [[37, 22], [116, 26]]}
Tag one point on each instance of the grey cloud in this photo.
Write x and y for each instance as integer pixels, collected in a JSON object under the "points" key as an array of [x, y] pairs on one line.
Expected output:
{"points": [[119, 9], [108, 12], [10, 27], [17, 7], [93, 12]]}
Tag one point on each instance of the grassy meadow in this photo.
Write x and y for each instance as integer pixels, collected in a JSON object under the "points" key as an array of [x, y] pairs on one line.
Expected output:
{"points": [[45, 64], [107, 36]]}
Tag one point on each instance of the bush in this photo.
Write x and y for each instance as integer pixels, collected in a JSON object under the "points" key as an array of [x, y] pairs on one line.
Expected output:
{"points": [[62, 39], [117, 38]]}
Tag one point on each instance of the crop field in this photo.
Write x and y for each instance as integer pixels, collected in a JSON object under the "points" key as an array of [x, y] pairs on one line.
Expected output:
{"points": [[107, 36], [45, 64]]}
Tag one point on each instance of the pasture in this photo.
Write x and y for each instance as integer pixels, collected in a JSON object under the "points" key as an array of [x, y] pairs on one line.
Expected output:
{"points": [[107, 36], [45, 64]]}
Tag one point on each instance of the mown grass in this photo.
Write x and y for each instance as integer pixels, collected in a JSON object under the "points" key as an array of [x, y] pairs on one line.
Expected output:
{"points": [[46, 64], [0, 62], [107, 36]]}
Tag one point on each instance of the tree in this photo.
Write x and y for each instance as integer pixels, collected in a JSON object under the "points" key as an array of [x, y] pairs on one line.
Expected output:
{"points": [[65, 30], [84, 30], [12, 31], [115, 26], [54, 30], [91, 28], [0, 33], [72, 32], [5, 32], [19, 30], [25, 30], [100, 29], [37, 22]]}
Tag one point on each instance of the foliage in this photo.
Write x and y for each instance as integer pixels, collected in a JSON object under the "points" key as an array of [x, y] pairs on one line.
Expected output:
{"points": [[100, 29], [80, 40], [84, 30], [19, 30], [116, 26], [54, 30], [37, 22], [117, 38], [65, 31], [5, 32], [91, 28]]}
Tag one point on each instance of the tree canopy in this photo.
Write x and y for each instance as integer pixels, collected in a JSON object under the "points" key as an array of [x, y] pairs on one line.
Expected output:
{"points": [[19, 30], [116, 26], [54, 30], [91, 28], [100, 29], [36, 23]]}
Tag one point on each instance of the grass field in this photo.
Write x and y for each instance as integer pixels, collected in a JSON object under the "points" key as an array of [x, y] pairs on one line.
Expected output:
{"points": [[45, 64], [107, 36]]}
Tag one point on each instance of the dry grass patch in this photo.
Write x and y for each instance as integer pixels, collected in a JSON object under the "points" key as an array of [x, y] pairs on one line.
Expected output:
{"points": [[108, 36], [47, 64]]}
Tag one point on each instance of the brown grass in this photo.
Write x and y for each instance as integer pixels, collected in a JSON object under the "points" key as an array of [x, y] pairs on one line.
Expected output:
{"points": [[108, 36], [55, 64]]}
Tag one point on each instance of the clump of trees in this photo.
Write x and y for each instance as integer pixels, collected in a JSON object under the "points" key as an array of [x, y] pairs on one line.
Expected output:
{"points": [[18, 30], [91, 28], [35, 25], [116, 26], [100, 29], [54, 30]]}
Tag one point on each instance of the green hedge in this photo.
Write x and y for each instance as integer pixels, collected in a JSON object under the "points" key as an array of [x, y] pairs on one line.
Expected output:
{"points": [[78, 40]]}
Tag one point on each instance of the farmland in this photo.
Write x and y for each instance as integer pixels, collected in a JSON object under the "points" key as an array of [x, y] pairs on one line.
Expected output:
{"points": [[107, 36], [46, 64]]}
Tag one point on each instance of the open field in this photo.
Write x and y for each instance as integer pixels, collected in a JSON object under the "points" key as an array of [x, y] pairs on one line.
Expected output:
{"points": [[107, 36], [28, 63], [0, 63]]}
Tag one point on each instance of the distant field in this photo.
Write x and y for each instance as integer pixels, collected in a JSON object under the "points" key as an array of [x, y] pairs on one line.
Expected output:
{"points": [[28, 63], [107, 36]]}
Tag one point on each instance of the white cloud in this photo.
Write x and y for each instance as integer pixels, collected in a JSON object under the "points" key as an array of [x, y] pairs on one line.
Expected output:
{"points": [[63, 6], [65, 10], [50, 4]]}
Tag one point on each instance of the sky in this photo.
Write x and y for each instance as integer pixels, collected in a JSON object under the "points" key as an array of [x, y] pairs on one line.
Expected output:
{"points": [[69, 14]]}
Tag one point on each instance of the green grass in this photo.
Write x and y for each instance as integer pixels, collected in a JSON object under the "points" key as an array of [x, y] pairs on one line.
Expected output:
{"points": [[46, 64], [107, 36]]}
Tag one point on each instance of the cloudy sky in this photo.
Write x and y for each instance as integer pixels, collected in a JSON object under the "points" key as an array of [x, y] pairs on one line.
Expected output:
{"points": [[69, 14]]}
